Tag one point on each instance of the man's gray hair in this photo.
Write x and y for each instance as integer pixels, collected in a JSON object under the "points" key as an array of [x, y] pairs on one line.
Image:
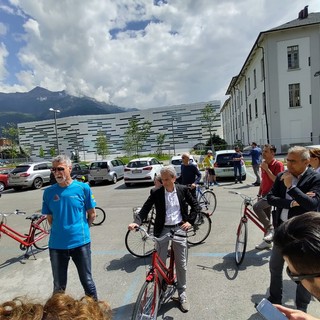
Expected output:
{"points": [[62, 158], [186, 154], [302, 151], [170, 170]]}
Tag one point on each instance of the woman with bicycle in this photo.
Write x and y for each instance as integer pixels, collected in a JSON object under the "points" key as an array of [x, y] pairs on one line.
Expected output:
{"points": [[170, 215]]}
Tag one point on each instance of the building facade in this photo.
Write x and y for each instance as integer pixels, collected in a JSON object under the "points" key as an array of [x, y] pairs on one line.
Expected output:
{"points": [[182, 125], [276, 96]]}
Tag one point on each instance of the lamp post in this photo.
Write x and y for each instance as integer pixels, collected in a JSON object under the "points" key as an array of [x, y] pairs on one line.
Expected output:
{"points": [[55, 111], [173, 142]]}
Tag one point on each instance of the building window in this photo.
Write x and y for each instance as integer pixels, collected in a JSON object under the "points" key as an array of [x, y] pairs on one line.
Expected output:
{"points": [[262, 69], [249, 89], [264, 102], [254, 79], [242, 120], [256, 108], [250, 113], [293, 57], [294, 95], [241, 98]]}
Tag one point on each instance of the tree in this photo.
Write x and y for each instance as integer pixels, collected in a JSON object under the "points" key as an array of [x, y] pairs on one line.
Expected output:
{"points": [[41, 152], [219, 143], [11, 132], [52, 151], [135, 135], [160, 140], [102, 144], [209, 115]]}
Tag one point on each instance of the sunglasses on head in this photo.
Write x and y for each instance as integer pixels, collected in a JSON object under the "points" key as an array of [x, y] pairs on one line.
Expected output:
{"points": [[299, 277], [57, 169]]}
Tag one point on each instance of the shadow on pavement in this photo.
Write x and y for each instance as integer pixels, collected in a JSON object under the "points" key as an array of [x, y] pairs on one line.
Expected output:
{"points": [[127, 263]]}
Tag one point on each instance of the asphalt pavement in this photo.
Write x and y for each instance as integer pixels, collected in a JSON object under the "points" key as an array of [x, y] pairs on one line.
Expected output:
{"points": [[217, 288]]}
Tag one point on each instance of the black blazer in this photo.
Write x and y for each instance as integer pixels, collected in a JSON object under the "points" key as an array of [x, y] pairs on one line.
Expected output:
{"points": [[157, 198], [310, 181]]}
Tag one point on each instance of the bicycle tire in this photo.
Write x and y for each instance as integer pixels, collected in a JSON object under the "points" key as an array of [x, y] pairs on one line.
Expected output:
{"points": [[208, 201], [241, 242], [138, 244], [147, 304], [44, 226], [100, 216], [200, 230]]}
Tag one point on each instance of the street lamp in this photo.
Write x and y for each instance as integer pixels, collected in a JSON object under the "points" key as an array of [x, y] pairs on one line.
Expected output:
{"points": [[55, 126], [173, 142]]}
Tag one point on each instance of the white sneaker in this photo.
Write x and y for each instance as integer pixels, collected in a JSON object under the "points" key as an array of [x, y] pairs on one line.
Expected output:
{"points": [[264, 245], [269, 235]]}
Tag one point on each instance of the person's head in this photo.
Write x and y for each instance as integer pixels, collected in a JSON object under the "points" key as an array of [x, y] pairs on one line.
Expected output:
{"points": [[185, 158], [236, 149], [315, 157], [157, 181], [268, 152], [168, 177], [254, 144], [61, 168], [60, 306], [297, 160], [80, 178], [299, 242], [209, 153]]}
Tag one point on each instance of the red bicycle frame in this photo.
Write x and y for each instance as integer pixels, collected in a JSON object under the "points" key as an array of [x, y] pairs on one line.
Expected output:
{"points": [[249, 214]]}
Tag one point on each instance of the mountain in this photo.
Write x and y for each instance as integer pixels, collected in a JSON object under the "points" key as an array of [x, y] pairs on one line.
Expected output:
{"points": [[34, 106]]}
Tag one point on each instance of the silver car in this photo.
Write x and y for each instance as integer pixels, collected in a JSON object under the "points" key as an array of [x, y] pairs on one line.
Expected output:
{"points": [[30, 175], [106, 170]]}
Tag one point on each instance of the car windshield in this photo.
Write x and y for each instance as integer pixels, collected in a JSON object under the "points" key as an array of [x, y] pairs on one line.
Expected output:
{"points": [[176, 162], [20, 169], [99, 165], [225, 159], [4, 171], [137, 164]]}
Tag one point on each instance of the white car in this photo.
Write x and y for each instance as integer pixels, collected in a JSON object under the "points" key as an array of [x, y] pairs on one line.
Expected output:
{"points": [[141, 170], [177, 160], [223, 165]]}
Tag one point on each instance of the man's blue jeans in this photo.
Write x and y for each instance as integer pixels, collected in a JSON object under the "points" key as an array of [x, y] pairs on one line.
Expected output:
{"points": [[81, 257]]}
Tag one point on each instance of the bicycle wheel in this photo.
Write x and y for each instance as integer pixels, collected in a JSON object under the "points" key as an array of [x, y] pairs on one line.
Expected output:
{"points": [[147, 303], [241, 242], [100, 216], [208, 201], [200, 230], [138, 244], [40, 236]]}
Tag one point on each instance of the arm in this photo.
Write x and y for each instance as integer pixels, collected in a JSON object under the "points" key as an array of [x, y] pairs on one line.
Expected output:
{"points": [[91, 215], [195, 208], [198, 175], [49, 218], [275, 198], [292, 314]]}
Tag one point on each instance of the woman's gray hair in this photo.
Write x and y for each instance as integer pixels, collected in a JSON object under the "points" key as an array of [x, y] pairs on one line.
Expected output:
{"points": [[170, 170], [302, 151], [62, 158]]}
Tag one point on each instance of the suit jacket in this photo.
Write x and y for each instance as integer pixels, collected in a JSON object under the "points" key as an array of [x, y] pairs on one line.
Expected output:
{"points": [[310, 181], [157, 198]]}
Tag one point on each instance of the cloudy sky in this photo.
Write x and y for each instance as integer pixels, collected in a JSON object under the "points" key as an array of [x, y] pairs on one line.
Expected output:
{"points": [[134, 53]]}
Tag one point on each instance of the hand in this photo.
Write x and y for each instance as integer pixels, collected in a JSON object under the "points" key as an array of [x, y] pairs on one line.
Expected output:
{"points": [[264, 165], [192, 186], [292, 314], [311, 194], [186, 226], [132, 226], [287, 179]]}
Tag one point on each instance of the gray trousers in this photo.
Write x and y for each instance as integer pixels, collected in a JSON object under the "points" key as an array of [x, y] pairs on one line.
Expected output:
{"points": [[276, 264], [256, 171], [263, 210], [180, 248]]}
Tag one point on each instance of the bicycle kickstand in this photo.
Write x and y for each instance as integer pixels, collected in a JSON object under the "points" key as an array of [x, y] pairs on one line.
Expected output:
{"points": [[27, 255]]}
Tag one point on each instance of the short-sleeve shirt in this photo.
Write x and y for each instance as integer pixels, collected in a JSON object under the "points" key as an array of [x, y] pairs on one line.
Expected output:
{"points": [[68, 207], [275, 166], [237, 155]]}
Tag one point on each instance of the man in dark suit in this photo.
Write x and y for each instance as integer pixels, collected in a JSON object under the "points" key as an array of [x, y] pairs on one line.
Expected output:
{"points": [[295, 191], [171, 203]]}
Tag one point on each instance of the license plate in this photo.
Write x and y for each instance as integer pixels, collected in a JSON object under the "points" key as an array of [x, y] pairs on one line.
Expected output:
{"points": [[98, 178], [227, 170], [136, 171]]}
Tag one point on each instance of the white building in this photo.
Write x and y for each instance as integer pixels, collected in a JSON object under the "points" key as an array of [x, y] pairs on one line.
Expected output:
{"points": [[276, 96], [181, 124]]}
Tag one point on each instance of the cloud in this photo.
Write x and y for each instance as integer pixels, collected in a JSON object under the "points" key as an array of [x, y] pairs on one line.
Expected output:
{"points": [[140, 53]]}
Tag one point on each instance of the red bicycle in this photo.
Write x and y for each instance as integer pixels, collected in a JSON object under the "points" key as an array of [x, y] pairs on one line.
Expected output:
{"points": [[37, 236], [247, 213], [155, 291]]}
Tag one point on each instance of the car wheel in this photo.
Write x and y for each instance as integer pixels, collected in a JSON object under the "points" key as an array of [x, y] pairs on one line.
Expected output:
{"points": [[114, 178], [128, 184], [92, 183], [37, 183], [1, 186]]}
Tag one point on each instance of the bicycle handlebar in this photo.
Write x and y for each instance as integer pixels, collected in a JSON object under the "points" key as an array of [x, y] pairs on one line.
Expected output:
{"points": [[17, 211], [170, 234], [243, 196]]}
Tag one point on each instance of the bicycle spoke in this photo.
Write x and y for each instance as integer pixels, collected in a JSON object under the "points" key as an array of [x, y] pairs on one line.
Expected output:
{"points": [[208, 201], [200, 230]]}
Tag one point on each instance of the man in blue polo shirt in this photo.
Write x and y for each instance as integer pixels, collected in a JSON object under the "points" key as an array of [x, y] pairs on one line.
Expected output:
{"points": [[256, 161], [69, 206]]}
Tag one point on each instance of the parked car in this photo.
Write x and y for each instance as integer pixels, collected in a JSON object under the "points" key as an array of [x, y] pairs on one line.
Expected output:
{"points": [[177, 160], [223, 165], [29, 175], [106, 170], [77, 169], [141, 170], [4, 178]]}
